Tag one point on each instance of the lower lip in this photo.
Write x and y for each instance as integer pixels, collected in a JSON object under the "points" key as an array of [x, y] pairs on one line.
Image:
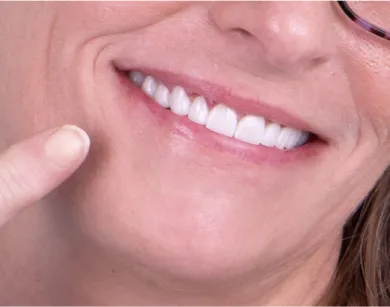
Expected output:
{"points": [[190, 131]]}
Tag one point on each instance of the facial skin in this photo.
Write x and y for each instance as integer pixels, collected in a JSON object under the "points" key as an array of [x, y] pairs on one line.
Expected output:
{"points": [[154, 216]]}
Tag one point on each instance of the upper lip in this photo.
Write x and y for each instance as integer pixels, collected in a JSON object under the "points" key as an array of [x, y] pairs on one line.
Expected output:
{"points": [[223, 94]]}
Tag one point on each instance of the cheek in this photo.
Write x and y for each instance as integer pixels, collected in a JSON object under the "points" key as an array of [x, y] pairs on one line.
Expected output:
{"points": [[99, 18], [33, 89], [25, 105], [368, 67]]}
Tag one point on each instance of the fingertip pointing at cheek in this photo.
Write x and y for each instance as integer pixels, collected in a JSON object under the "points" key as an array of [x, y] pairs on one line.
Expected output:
{"points": [[67, 146]]}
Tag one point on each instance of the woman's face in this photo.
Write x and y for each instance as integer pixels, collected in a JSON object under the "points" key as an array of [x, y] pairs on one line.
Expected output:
{"points": [[161, 189]]}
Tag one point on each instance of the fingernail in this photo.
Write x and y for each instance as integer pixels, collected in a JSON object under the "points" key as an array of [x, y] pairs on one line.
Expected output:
{"points": [[66, 145]]}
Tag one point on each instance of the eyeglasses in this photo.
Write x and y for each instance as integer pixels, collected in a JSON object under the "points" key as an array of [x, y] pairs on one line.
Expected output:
{"points": [[373, 16]]}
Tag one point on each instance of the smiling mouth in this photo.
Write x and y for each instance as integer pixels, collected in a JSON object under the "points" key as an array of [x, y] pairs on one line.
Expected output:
{"points": [[252, 129], [212, 116]]}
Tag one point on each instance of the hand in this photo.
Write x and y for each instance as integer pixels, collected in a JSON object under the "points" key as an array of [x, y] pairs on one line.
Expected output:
{"points": [[32, 168]]}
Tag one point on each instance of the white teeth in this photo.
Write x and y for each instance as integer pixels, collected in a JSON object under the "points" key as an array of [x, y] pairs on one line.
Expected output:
{"points": [[250, 129], [284, 139], [303, 139], [149, 86], [271, 134], [199, 111], [137, 77], [294, 139], [162, 95], [222, 120], [179, 101], [290, 138]]}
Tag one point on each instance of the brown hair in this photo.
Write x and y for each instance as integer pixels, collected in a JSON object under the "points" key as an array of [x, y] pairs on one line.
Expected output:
{"points": [[363, 273]]}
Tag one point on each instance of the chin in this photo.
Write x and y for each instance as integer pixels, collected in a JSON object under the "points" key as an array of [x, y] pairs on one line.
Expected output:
{"points": [[170, 222], [176, 212]]}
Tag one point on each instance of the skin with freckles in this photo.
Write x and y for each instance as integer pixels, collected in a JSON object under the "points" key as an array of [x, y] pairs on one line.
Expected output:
{"points": [[153, 217]]}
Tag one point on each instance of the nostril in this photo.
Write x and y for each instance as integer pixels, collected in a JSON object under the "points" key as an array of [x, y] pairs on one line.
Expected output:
{"points": [[315, 62], [242, 32], [319, 60]]}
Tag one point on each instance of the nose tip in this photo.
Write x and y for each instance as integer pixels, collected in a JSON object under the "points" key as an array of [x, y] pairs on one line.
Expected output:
{"points": [[288, 36], [294, 42]]}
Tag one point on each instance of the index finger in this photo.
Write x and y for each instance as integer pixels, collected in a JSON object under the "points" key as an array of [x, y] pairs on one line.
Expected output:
{"points": [[32, 168]]}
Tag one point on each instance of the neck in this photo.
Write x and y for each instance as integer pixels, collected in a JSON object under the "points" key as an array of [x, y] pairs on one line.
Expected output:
{"points": [[73, 272]]}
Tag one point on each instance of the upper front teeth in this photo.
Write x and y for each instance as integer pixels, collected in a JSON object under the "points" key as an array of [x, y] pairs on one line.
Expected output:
{"points": [[199, 111], [149, 86], [162, 96], [221, 119], [179, 101], [250, 129], [271, 134]]}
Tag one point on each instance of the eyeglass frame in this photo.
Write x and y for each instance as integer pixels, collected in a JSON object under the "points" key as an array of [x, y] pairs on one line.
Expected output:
{"points": [[362, 22]]}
